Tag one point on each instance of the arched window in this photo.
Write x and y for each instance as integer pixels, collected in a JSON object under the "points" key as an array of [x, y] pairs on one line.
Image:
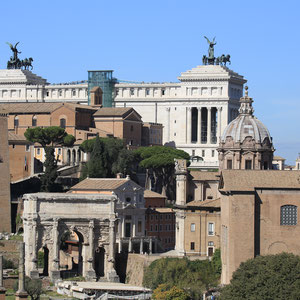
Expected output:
{"points": [[288, 215], [34, 121], [63, 123], [16, 121]]}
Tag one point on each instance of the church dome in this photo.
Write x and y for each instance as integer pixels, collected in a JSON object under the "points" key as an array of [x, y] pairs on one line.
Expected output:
{"points": [[246, 125]]}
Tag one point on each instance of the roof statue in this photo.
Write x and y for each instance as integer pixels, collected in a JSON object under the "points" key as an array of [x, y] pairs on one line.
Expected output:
{"points": [[15, 62], [211, 59]]}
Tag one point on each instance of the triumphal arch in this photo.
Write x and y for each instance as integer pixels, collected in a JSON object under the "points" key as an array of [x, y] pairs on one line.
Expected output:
{"points": [[52, 219]]}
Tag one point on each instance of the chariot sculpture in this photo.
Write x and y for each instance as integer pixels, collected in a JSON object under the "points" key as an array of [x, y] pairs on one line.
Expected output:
{"points": [[15, 62]]}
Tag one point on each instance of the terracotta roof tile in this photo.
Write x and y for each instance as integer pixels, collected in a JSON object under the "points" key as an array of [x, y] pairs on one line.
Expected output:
{"points": [[248, 180], [18, 138], [204, 175], [206, 203], [151, 194], [100, 184], [113, 111]]}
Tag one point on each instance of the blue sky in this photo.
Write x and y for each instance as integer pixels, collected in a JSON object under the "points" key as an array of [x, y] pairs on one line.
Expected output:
{"points": [[157, 40]]}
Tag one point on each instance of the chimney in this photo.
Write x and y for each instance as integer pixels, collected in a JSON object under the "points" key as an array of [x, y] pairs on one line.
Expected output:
{"points": [[119, 175]]}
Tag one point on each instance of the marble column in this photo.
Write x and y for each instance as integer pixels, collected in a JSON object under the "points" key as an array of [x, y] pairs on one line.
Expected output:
{"points": [[199, 126], [21, 293], [130, 245], [34, 273], [2, 289], [150, 246], [208, 125], [141, 246], [120, 245], [91, 274], [111, 272], [189, 126], [168, 124], [55, 273], [133, 226], [219, 125]]}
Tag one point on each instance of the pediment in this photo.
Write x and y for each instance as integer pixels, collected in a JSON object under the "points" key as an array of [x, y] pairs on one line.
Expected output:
{"points": [[133, 116]]}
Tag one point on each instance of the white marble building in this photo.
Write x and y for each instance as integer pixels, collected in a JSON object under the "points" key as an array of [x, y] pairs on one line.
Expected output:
{"points": [[194, 111]]}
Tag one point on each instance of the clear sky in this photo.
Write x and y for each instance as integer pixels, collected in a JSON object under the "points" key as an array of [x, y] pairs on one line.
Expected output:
{"points": [[157, 40]]}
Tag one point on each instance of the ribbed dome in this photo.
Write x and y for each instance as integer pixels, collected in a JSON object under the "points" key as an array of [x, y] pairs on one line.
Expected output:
{"points": [[246, 124]]}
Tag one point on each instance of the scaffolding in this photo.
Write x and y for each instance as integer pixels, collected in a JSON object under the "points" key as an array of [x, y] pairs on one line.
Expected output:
{"points": [[105, 80]]}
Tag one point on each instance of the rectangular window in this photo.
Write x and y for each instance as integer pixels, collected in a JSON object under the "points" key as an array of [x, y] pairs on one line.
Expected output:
{"points": [[203, 153], [63, 123], [211, 228], [47, 94], [193, 152], [139, 226], [160, 228], [16, 122], [131, 92], [147, 92], [193, 227], [151, 228], [163, 92], [192, 245], [248, 164], [288, 215], [59, 151], [212, 153], [156, 227], [73, 92], [38, 151], [229, 164], [34, 122]]}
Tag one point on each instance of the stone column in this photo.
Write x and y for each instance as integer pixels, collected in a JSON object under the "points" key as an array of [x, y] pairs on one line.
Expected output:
{"points": [[150, 246], [199, 126], [2, 289], [189, 126], [21, 293], [141, 246], [130, 245], [208, 125], [55, 274], [120, 245], [133, 226], [111, 273], [219, 125], [34, 273], [91, 274], [168, 124]]}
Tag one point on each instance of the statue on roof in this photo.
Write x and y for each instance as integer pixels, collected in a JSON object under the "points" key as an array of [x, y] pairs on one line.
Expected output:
{"points": [[15, 62], [211, 51]]}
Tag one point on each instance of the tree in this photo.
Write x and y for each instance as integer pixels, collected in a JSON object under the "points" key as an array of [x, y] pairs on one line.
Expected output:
{"points": [[48, 138], [265, 277], [159, 164], [194, 277], [162, 292], [118, 159], [32, 286]]}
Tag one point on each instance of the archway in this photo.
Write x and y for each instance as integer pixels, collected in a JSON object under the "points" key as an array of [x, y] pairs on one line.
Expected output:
{"points": [[99, 262], [73, 157], [68, 157], [70, 254], [43, 261], [78, 156]]}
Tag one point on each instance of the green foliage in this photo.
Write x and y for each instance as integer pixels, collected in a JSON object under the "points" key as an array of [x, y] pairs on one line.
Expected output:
{"points": [[49, 137], [159, 161], [216, 261], [265, 277], [112, 155], [41, 259], [32, 286], [162, 292], [193, 277], [8, 264]]}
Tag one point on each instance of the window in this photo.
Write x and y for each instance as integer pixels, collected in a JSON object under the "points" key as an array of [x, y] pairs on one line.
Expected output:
{"points": [[117, 92], [128, 199], [151, 228], [248, 164], [63, 123], [203, 153], [60, 93], [288, 215], [193, 152], [59, 151], [156, 227], [212, 153], [38, 151], [147, 92], [47, 94], [73, 92], [27, 148], [211, 228], [131, 128], [193, 227], [131, 92], [34, 121], [160, 228], [16, 121], [163, 92], [192, 245], [174, 133], [229, 164], [139, 226]]}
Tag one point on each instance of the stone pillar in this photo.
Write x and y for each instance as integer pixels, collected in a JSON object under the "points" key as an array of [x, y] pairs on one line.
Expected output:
{"points": [[91, 274], [219, 134], [150, 246], [2, 289], [168, 124], [120, 245], [34, 273], [133, 226], [21, 293], [208, 125], [189, 126], [141, 246], [199, 126], [54, 273], [111, 273], [130, 245], [179, 246]]}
